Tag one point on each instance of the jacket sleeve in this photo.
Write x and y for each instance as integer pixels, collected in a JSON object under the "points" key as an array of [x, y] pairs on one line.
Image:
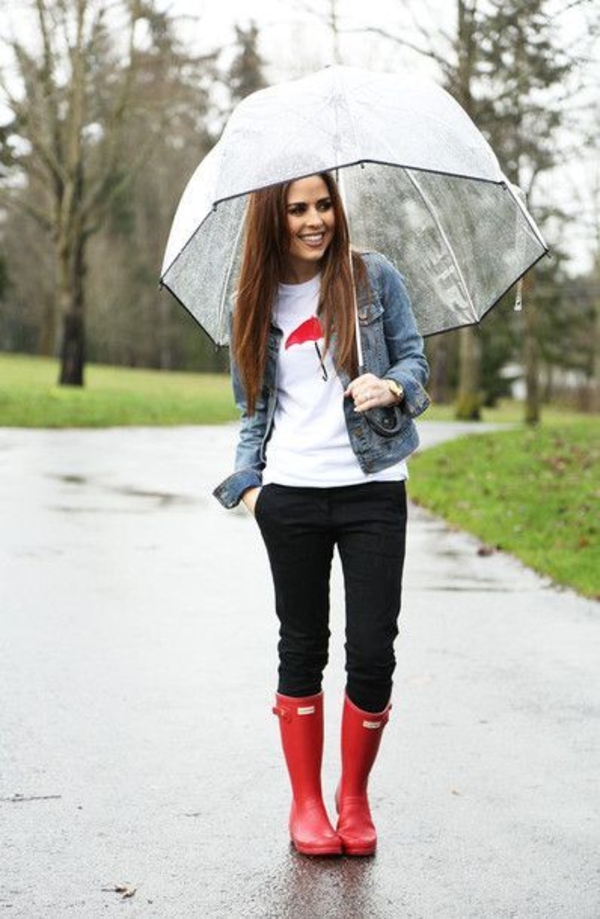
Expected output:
{"points": [[408, 367], [248, 463]]}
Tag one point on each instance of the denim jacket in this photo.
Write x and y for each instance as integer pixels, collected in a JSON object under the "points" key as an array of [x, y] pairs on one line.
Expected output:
{"points": [[392, 348]]}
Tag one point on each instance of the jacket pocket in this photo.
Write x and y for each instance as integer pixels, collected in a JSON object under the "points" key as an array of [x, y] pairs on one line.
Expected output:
{"points": [[259, 502], [370, 312]]}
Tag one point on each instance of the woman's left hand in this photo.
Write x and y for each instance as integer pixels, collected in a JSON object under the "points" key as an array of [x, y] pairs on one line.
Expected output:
{"points": [[368, 392]]}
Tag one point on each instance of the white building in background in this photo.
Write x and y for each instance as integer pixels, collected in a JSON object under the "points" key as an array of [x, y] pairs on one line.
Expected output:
{"points": [[563, 381]]}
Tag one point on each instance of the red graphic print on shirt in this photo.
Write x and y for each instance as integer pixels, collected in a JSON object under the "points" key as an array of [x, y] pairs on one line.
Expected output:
{"points": [[310, 330]]}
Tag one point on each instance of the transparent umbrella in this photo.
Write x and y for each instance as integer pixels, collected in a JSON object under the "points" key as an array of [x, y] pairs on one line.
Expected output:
{"points": [[421, 185]]}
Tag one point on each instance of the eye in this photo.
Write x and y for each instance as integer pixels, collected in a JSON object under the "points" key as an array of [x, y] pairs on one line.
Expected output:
{"points": [[296, 209], [325, 205]]}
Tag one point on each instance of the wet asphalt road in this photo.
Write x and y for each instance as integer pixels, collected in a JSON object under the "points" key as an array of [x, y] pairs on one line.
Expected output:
{"points": [[137, 660]]}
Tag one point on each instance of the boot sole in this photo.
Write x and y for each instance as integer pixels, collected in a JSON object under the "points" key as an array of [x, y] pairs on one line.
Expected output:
{"points": [[316, 850], [349, 850]]}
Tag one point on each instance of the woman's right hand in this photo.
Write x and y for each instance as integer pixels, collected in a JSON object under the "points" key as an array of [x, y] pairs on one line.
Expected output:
{"points": [[250, 497]]}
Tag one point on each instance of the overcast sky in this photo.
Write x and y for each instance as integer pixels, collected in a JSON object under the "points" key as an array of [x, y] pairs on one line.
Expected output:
{"points": [[293, 39], [293, 42]]}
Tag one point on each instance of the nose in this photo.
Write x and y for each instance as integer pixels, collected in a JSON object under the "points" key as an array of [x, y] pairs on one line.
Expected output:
{"points": [[314, 218]]}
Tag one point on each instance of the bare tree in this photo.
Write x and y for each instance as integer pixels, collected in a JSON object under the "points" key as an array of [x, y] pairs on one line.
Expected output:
{"points": [[460, 80], [76, 93], [522, 108], [131, 321], [595, 400], [328, 13], [506, 65], [246, 72]]}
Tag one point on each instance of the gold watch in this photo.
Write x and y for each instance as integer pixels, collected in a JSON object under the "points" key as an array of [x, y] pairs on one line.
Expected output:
{"points": [[396, 389]]}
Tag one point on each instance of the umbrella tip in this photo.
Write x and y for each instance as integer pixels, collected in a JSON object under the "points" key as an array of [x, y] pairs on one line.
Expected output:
{"points": [[519, 298]]}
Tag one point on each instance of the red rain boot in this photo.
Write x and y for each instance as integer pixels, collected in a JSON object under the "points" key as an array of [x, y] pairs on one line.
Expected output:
{"points": [[361, 736], [301, 723]]}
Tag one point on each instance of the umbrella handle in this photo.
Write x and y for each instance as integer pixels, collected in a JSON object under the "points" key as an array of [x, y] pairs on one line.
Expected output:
{"points": [[387, 427], [359, 351]]}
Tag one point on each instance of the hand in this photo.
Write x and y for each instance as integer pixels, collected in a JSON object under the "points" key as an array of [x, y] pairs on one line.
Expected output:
{"points": [[368, 392], [250, 497]]}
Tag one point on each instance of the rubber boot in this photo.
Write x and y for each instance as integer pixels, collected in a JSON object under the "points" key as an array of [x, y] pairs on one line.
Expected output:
{"points": [[301, 723], [361, 736]]}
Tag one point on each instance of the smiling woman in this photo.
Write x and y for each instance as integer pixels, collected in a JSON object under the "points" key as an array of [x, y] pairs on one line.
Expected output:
{"points": [[316, 476], [314, 242]]}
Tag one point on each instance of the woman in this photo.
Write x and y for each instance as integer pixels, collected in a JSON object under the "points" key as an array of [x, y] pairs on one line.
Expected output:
{"points": [[321, 462]]}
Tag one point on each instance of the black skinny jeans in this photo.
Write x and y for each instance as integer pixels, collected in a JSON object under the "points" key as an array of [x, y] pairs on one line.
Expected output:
{"points": [[300, 527]]}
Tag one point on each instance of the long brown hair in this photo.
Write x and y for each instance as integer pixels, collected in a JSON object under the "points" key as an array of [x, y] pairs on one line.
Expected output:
{"points": [[264, 261]]}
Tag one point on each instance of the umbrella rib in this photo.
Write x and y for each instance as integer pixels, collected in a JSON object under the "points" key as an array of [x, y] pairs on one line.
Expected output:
{"points": [[531, 223], [343, 92], [444, 238], [225, 287]]}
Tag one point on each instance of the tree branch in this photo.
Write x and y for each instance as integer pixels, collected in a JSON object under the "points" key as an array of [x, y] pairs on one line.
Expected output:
{"points": [[17, 203], [383, 33]]}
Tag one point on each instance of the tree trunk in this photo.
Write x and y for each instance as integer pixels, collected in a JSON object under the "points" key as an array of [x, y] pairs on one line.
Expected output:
{"points": [[531, 354], [468, 403], [72, 351], [47, 336], [439, 381], [165, 352], [595, 394], [72, 303], [468, 406]]}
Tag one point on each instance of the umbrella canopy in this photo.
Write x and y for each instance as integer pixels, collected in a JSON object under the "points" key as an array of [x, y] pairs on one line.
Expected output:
{"points": [[421, 185]]}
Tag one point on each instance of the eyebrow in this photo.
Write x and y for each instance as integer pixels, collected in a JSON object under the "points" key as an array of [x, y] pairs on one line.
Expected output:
{"points": [[319, 201]]}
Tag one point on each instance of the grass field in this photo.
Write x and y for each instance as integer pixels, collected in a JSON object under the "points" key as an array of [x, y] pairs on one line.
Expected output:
{"points": [[115, 396], [112, 396], [534, 493]]}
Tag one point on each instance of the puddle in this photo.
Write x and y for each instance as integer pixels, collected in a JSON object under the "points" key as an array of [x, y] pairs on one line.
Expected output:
{"points": [[70, 479], [69, 509], [491, 588], [461, 588], [162, 498]]}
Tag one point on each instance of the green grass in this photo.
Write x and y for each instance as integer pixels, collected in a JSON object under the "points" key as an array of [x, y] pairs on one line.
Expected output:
{"points": [[112, 396], [533, 493], [507, 411], [115, 396]]}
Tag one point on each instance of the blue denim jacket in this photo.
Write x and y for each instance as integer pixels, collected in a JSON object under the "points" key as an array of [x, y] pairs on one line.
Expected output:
{"points": [[392, 348]]}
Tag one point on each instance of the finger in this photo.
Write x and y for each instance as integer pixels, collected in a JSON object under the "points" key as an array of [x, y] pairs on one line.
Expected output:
{"points": [[356, 392], [367, 404], [359, 383], [354, 388]]}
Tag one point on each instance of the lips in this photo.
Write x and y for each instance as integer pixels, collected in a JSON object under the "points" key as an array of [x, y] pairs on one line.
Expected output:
{"points": [[314, 240]]}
